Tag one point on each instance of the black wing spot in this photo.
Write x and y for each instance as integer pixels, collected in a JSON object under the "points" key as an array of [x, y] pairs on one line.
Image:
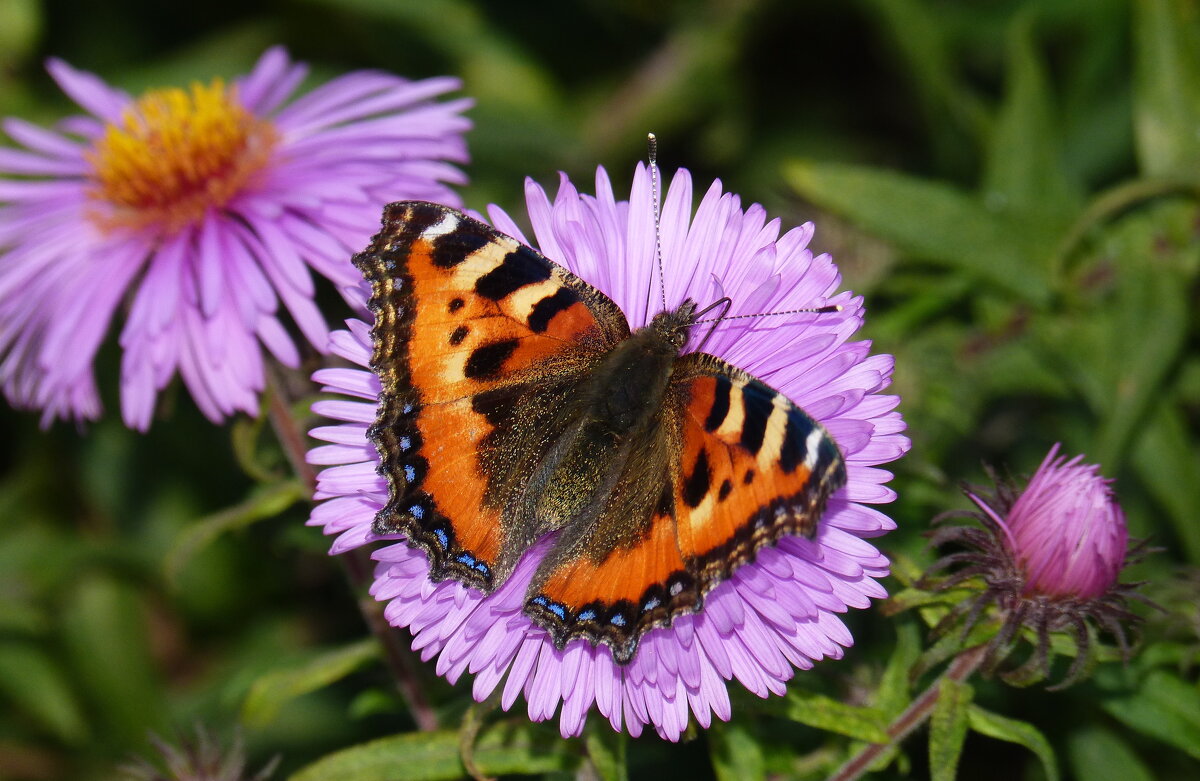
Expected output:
{"points": [[545, 310], [486, 361], [666, 501], [454, 247], [459, 334], [518, 269], [754, 425], [749, 478], [725, 489], [697, 485], [495, 405], [456, 304], [795, 441], [720, 405]]}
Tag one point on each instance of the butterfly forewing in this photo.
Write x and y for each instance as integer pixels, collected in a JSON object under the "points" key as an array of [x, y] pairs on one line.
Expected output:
{"points": [[753, 467], [478, 341]]}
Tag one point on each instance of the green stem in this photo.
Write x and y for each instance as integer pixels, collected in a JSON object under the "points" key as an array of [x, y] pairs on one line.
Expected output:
{"points": [[963, 666], [473, 721], [1109, 204], [356, 563]]}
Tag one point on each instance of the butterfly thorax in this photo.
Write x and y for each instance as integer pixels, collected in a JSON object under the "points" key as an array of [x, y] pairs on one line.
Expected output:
{"points": [[626, 390]]}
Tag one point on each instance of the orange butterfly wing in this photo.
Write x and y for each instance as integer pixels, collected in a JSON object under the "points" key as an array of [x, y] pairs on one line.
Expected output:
{"points": [[479, 341], [753, 467], [742, 467]]}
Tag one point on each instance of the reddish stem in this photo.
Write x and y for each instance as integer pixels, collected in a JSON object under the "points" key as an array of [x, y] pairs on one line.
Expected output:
{"points": [[356, 564], [963, 666]]}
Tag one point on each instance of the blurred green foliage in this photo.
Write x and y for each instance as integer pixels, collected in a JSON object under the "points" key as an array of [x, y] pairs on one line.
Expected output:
{"points": [[1011, 183]]}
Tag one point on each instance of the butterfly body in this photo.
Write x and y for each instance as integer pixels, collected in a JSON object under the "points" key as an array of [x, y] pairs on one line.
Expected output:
{"points": [[516, 402]]}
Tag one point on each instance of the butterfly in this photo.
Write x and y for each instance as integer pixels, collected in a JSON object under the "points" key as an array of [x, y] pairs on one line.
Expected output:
{"points": [[516, 402]]}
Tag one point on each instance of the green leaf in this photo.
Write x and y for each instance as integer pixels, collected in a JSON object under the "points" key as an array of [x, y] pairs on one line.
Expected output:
{"points": [[1164, 457], [20, 27], [1098, 754], [32, 683], [952, 644], [1002, 728], [933, 221], [1167, 87], [910, 598], [1159, 341], [948, 728], [375, 702], [892, 694], [607, 751], [1117, 356], [503, 749], [815, 710], [923, 45], [736, 753], [104, 628], [1166, 708], [264, 502], [1024, 171], [906, 569], [272, 691]]}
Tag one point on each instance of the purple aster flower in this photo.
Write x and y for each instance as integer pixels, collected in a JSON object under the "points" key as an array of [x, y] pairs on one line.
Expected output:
{"points": [[204, 207], [774, 615], [1048, 557]]}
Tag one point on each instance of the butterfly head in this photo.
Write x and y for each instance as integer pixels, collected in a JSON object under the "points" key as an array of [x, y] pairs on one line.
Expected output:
{"points": [[674, 326]]}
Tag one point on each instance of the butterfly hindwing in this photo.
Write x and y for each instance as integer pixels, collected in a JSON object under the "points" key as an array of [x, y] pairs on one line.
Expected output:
{"points": [[478, 343], [734, 466], [620, 573]]}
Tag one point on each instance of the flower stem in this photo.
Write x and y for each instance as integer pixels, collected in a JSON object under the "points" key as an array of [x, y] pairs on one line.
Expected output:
{"points": [[287, 431], [356, 563], [399, 658], [473, 722], [963, 666]]}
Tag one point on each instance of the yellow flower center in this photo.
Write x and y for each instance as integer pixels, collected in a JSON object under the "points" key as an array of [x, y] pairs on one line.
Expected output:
{"points": [[175, 155]]}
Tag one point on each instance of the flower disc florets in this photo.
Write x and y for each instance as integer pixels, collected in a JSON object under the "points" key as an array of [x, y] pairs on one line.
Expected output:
{"points": [[174, 155]]}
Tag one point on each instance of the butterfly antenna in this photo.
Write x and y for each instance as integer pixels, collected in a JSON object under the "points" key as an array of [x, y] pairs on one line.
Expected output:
{"points": [[652, 154], [724, 302], [816, 310]]}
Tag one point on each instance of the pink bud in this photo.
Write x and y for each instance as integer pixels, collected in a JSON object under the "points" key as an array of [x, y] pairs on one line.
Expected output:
{"points": [[1066, 531]]}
